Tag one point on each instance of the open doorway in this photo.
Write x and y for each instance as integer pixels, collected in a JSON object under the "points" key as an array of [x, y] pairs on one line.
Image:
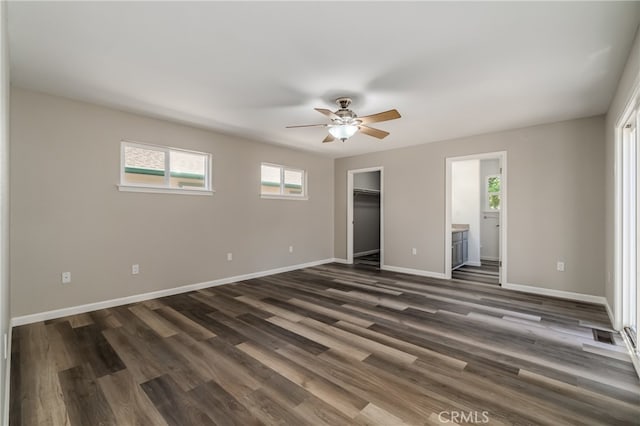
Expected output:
{"points": [[475, 239], [364, 217]]}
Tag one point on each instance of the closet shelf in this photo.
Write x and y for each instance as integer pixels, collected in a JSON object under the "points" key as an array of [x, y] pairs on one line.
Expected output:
{"points": [[366, 191]]}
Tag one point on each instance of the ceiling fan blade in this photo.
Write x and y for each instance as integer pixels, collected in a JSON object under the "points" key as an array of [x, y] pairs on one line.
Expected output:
{"points": [[392, 114], [308, 125], [329, 138], [376, 133], [327, 112]]}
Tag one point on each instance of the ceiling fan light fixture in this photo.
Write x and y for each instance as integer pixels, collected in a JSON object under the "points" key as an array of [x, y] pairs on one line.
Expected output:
{"points": [[343, 131], [345, 123]]}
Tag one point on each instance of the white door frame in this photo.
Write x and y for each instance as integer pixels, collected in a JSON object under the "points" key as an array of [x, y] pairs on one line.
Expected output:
{"points": [[502, 156], [350, 174], [633, 104], [623, 248]]}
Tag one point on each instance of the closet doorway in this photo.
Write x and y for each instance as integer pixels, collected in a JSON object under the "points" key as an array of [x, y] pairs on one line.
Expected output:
{"points": [[365, 217]]}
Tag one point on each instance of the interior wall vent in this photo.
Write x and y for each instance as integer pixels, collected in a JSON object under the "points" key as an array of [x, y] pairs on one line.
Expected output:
{"points": [[602, 336]]}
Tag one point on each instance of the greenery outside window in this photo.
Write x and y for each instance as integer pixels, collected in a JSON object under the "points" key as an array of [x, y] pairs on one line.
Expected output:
{"points": [[493, 193]]}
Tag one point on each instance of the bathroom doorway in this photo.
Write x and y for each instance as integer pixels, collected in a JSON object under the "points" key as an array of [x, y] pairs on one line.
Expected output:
{"points": [[475, 231]]}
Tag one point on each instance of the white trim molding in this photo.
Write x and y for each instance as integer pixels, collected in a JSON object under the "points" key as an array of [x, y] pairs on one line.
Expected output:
{"points": [[339, 260], [620, 311], [80, 309], [610, 314], [152, 189], [580, 297], [411, 271]]}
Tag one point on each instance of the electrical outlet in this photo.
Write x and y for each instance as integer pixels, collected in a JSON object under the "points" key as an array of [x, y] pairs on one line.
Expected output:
{"points": [[290, 249], [560, 266], [229, 257], [414, 251], [135, 269], [66, 277]]}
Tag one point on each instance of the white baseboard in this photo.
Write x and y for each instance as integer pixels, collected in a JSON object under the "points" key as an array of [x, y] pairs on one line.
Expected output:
{"points": [[74, 310], [366, 253], [580, 297], [419, 272], [493, 259], [339, 260], [472, 263], [610, 314]]}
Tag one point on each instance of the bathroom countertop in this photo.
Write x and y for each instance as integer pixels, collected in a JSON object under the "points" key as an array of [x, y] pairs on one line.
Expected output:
{"points": [[457, 227]]}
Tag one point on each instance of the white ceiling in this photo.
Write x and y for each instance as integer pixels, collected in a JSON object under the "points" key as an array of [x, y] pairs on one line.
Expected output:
{"points": [[452, 69]]}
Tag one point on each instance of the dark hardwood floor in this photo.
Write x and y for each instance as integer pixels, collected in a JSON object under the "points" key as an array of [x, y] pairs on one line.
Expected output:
{"points": [[372, 260], [487, 273], [329, 345]]}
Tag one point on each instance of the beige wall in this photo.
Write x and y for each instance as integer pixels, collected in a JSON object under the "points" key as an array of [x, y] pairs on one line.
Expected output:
{"points": [[555, 211], [67, 214], [630, 79]]}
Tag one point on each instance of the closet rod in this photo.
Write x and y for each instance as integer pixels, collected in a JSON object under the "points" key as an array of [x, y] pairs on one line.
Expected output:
{"points": [[357, 191]]}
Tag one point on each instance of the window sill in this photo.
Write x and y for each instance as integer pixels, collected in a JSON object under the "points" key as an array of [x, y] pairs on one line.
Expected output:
{"points": [[154, 190], [283, 197]]}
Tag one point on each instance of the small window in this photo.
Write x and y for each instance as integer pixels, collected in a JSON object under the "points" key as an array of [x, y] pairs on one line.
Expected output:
{"points": [[282, 182], [151, 168], [493, 193]]}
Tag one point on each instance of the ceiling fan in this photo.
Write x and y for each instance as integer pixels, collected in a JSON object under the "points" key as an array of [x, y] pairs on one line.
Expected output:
{"points": [[345, 123]]}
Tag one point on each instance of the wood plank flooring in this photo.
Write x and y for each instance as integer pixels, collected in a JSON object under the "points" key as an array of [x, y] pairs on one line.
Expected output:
{"points": [[372, 259], [329, 345], [488, 273]]}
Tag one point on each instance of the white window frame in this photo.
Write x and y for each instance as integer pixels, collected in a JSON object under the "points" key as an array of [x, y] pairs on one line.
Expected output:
{"points": [[487, 206], [166, 188], [282, 195]]}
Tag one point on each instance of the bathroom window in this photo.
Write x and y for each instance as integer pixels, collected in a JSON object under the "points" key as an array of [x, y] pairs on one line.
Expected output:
{"points": [[493, 193]]}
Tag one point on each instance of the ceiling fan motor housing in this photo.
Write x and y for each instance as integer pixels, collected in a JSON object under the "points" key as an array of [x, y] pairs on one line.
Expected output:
{"points": [[345, 115], [343, 102]]}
